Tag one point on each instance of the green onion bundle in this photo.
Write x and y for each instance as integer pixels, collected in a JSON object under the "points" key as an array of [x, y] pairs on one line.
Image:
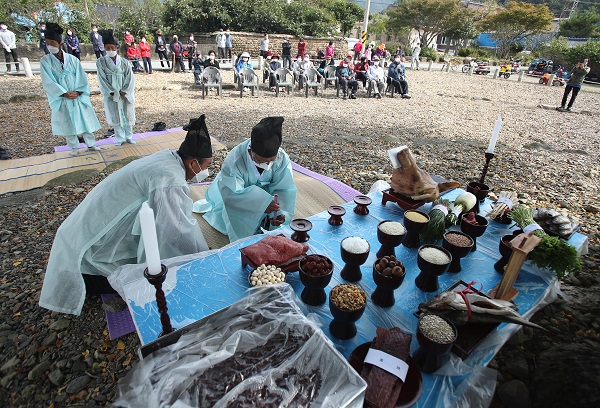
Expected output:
{"points": [[462, 204], [551, 252], [437, 221]]}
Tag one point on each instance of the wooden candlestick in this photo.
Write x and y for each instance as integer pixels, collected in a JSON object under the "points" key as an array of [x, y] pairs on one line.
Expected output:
{"points": [[521, 246], [161, 301], [488, 157]]}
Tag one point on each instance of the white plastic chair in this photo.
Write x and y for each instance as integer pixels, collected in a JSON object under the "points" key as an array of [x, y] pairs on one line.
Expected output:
{"points": [[284, 78], [248, 79], [330, 77], [311, 81], [211, 78]]}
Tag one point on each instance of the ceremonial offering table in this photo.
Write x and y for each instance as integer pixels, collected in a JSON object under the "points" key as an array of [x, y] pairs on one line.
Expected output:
{"points": [[201, 284]]}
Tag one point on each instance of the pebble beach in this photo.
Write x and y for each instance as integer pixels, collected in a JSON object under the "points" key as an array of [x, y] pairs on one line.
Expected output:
{"points": [[551, 159]]}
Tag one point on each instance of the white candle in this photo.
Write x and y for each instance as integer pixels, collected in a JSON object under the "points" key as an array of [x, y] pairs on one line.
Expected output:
{"points": [[495, 135], [150, 241]]}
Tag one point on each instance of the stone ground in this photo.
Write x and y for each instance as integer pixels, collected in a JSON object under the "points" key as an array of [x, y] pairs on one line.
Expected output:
{"points": [[550, 158]]}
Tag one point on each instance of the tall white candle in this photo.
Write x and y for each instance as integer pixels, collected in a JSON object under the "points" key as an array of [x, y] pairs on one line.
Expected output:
{"points": [[495, 135], [150, 241]]}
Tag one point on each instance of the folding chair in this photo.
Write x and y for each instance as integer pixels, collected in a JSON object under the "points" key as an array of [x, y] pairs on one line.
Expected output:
{"points": [[211, 78], [284, 78], [248, 79]]}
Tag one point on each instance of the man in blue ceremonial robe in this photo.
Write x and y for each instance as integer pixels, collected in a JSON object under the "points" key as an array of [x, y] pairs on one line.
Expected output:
{"points": [[68, 91], [242, 197], [104, 231], [117, 86]]}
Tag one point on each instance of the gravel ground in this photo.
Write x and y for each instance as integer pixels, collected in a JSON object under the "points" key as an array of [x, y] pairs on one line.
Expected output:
{"points": [[550, 158]]}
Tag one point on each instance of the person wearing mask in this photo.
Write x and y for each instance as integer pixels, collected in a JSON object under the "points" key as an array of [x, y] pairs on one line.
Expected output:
{"points": [[369, 52], [104, 233], [361, 72], [211, 60], [66, 85], [42, 35], [376, 77], [358, 49], [399, 52], [416, 52], [228, 44], [241, 201], [286, 53], [72, 44], [97, 42], [176, 48], [274, 65], [330, 50], [145, 54], [574, 83], [117, 85], [128, 38], [264, 45], [301, 46], [191, 50], [326, 62], [161, 48], [134, 55], [9, 43], [346, 79], [243, 62], [397, 77], [198, 66], [221, 42]]}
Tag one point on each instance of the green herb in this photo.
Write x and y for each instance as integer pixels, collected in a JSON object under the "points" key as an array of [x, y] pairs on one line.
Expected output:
{"points": [[437, 222], [551, 252]]}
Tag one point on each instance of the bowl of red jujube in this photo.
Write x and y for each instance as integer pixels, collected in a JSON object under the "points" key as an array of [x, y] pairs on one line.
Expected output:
{"points": [[315, 273]]}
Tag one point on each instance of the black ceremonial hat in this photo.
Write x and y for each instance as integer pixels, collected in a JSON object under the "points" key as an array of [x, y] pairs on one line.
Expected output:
{"points": [[107, 36], [197, 141], [266, 136], [53, 32]]}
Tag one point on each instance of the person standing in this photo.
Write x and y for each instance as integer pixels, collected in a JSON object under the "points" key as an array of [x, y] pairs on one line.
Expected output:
{"points": [[104, 231], [161, 48], [8, 41], [191, 50], [97, 42], [301, 47], [574, 83], [128, 38], [221, 42], [286, 53], [264, 45], [330, 50], [228, 45], [198, 65], [241, 199], [416, 52], [176, 48], [358, 49], [42, 35], [145, 53], [72, 43], [68, 91], [117, 85]]}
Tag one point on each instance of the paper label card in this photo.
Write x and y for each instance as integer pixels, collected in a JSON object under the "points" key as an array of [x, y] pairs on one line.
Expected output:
{"points": [[391, 364], [393, 154]]}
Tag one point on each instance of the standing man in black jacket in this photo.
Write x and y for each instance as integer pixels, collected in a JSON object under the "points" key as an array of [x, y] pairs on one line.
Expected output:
{"points": [[161, 48], [42, 34], [97, 42], [286, 53]]}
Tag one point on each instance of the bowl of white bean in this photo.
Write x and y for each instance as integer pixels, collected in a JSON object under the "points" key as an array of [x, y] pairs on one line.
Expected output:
{"points": [[266, 275]]}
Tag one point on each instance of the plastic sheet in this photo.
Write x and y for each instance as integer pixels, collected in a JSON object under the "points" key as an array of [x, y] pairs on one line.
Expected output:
{"points": [[200, 284], [262, 347]]}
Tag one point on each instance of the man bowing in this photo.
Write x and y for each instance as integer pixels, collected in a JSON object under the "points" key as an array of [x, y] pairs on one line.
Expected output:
{"points": [[242, 198], [117, 86]]}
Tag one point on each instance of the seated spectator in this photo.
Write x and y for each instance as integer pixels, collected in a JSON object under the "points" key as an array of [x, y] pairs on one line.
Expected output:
{"points": [[349, 55], [211, 60], [198, 66], [265, 66], [304, 64], [134, 55], [361, 71], [327, 61], [320, 54], [376, 77], [346, 78], [243, 62], [274, 65], [397, 77]]}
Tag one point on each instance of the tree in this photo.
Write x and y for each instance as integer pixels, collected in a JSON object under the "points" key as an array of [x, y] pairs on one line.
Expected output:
{"points": [[462, 28], [345, 12], [581, 25], [429, 17], [514, 24]]}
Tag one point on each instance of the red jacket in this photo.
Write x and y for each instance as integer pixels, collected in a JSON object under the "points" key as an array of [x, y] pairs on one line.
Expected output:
{"points": [[302, 48], [133, 52], [144, 49]]}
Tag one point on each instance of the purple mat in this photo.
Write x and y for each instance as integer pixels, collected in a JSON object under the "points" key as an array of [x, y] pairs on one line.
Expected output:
{"points": [[112, 141], [119, 323], [344, 191]]}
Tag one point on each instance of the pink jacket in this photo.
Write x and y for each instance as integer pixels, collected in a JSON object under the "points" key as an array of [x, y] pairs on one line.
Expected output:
{"points": [[329, 51]]}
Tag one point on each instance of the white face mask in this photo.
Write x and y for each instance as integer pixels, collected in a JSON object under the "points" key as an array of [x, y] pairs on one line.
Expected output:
{"points": [[245, 59], [95, 30], [3, 27], [69, 32], [52, 49], [143, 40], [111, 54], [200, 176], [346, 65], [264, 166], [211, 57], [191, 38], [306, 59], [397, 60]]}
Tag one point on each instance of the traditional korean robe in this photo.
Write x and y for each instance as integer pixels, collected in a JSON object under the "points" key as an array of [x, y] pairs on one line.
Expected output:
{"points": [[70, 117], [113, 77], [104, 231], [240, 194]]}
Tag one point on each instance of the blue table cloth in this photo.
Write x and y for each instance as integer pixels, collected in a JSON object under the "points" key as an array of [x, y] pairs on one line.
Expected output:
{"points": [[201, 284]]}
